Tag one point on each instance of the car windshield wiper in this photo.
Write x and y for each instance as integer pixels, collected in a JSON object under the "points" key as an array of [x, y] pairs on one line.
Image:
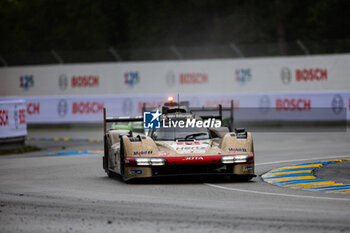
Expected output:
{"points": [[194, 135]]}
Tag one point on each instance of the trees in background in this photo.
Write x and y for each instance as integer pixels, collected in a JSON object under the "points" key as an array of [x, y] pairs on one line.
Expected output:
{"points": [[40, 25]]}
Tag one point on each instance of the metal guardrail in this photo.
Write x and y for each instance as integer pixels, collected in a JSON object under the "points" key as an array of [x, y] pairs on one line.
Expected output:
{"points": [[173, 52]]}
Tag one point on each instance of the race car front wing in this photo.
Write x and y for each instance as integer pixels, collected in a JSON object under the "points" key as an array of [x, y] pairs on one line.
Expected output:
{"points": [[139, 167]]}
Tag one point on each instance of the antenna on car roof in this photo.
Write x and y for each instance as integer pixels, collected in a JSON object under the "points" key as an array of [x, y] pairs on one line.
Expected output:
{"points": [[178, 102]]}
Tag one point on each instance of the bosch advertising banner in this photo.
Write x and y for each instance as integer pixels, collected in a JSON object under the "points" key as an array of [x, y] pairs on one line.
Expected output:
{"points": [[250, 75], [280, 88], [13, 122], [307, 106]]}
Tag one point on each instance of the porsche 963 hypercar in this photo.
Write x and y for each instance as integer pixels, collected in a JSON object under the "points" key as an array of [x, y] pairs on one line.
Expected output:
{"points": [[134, 152]]}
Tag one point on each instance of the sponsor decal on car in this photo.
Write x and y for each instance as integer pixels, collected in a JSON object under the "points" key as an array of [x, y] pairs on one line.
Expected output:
{"points": [[247, 168], [191, 158], [164, 153], [237, 149], [137, 172], [188, 143], [190, 149], [143, 152]]}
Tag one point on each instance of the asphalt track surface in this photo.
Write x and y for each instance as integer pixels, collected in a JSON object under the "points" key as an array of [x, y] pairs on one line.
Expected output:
{"points": [[71, 193], [340, 172]]}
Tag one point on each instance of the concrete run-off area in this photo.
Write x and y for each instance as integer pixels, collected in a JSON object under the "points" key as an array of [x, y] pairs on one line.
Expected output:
{"points": [[43, 192]]}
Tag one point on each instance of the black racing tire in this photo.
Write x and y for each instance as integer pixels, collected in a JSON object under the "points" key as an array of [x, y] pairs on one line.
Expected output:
{"points": [[109, 173], [122, 162], [105, 156]]}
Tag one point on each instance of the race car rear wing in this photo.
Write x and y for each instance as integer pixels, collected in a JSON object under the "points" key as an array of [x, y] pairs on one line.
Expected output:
{"points": [[200, 111], [118, 119]]}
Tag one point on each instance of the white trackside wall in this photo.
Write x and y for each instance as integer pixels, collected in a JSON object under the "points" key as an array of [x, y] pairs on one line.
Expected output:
{"points": [[78, 93], [12, 119]]}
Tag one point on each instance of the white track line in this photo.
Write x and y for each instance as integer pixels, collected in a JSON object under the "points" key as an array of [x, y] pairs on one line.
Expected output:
{"points": [[282, 194], [297, 160], [274, 194]]}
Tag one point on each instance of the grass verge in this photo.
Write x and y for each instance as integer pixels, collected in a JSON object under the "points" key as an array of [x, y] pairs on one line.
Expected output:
{"points": [[20, 150]]}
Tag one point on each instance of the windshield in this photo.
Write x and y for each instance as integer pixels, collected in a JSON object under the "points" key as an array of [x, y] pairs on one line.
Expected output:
{"points": [[174, 133]]}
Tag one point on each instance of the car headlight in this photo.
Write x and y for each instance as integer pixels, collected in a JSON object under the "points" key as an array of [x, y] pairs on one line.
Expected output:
{"points": [[150, 161], [235, 159]]}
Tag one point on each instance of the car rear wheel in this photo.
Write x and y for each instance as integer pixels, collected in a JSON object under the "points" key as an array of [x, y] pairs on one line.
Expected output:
{"points": [[109, 173], [105, 156], [122, 161]]}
